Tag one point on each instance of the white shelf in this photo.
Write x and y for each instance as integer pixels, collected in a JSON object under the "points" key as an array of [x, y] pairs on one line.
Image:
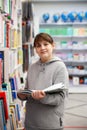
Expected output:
{"points": [[63, 36], [70, 49], [78, 89], [75, 61], [62, 24], [78, 74], [59, 1], [59, 6]]}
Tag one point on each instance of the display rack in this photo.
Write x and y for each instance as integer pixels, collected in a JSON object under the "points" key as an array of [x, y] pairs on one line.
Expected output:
{"points": [[70, 38]]}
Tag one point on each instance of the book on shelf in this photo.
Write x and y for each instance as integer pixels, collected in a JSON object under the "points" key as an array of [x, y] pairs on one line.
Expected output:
{"points": [[4, 98], [2, 116], [7, 88], [4, 56], [13, 87], [1, 4], [50, 90], [13, 117], [15, 110], [1, 68], [11, 122]]}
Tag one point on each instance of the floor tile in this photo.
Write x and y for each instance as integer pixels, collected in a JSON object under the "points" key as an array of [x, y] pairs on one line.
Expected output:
{"points": [[76, 112], [73, 120], [80, 111]]}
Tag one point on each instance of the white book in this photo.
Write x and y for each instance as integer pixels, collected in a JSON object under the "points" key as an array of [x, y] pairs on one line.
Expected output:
{"points": [[55, 88], [51, 89]]}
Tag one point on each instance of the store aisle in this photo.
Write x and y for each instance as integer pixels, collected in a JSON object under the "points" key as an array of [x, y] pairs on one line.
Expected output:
{"points": [[76, 112]]}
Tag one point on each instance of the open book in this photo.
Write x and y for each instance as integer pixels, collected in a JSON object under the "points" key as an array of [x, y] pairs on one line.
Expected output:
{"points": [[51, 89]]}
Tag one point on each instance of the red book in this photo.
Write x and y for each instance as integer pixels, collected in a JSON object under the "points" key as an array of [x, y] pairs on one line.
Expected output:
{"points": [[3, 96]]}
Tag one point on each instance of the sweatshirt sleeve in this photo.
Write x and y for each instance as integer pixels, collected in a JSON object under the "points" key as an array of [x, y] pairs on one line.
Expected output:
{"points": [[53, 99], [59, 76]]}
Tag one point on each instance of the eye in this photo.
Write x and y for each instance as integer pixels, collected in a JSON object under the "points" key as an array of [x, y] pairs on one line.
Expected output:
{"points": [[46, 44], [38, 45]]}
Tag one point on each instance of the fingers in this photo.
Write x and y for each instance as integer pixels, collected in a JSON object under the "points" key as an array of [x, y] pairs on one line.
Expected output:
{"points": [[21, 96], [38, 94]]}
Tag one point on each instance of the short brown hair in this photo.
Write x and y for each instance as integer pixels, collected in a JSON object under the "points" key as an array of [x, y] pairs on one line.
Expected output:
{"points": [[41, 37]]}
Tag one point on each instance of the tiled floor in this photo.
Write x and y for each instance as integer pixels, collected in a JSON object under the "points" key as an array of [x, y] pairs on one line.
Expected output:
{"points": [[76, 112]]}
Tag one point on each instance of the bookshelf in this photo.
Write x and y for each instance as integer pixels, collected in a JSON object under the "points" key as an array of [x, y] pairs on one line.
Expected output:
{"points": [[11, 61], [27, 33], [69, 34]]}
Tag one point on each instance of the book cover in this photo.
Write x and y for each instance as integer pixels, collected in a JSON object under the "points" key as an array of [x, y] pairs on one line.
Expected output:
{"points": [[55, 88]]}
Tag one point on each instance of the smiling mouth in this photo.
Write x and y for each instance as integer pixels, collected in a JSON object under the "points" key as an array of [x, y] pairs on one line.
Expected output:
{"points": [[43, 51]]}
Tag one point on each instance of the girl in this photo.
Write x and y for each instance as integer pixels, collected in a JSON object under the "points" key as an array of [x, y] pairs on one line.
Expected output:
{"points": [[45, 111]]}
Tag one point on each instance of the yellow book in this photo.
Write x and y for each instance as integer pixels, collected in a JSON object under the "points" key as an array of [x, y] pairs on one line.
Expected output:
{"points": [[15, 39], [20, 56]]}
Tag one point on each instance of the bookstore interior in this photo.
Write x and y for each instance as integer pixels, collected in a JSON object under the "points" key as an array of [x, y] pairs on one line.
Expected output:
{"points": [[20, 21]]}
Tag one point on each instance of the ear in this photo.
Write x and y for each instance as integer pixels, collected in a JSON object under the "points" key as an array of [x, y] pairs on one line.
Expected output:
{"points": [[53, 45]]}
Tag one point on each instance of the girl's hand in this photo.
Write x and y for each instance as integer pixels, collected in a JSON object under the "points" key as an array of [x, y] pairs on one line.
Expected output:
{"points": [[38, 94], [22, 96]]}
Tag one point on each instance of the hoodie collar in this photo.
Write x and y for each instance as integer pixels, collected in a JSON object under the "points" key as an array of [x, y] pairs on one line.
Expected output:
{"points": [[50, 61]]}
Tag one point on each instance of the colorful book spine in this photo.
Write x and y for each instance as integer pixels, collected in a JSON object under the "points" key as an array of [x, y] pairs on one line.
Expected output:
{"points": [[1, 66], [13, 87], [1, 115], [7, 34], [18, 112], [4, 54], [4, 97], [13, 117]]}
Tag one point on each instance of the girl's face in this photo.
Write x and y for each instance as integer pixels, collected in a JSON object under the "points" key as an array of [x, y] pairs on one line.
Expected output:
{"points": [[44, 49]]}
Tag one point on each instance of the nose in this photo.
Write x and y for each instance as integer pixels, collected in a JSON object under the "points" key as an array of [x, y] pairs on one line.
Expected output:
{"points": [[42, 46]]}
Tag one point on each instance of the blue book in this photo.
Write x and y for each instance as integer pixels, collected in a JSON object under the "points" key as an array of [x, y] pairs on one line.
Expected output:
{"points": [[2, 58], [13, 87], [18, 112]]}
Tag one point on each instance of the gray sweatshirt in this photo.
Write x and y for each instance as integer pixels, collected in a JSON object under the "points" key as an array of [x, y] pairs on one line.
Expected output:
{"points": [[46, 113]]}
